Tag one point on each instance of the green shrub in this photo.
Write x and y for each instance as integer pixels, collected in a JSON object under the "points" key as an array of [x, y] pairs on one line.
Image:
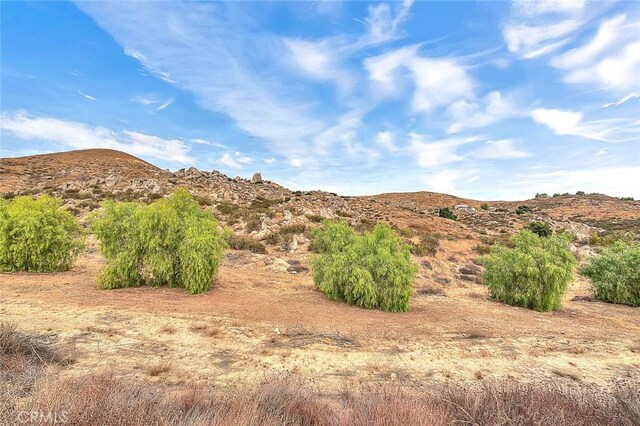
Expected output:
{"points": [[447, 213], [523, 209], [542, 195], [609, 238], [38, 235], [533, 274], [373, 270], [242, 242], [541, 229], [331, 237], [615, 274], [170, 242], [484, 206]]}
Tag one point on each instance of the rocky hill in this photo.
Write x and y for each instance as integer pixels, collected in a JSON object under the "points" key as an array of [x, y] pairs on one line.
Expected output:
{"points": [[268, 218]]}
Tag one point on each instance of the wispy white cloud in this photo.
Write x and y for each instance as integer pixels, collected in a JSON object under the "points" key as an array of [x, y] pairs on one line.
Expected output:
{"points": [[384, 70], [84, 95], [537, 28], [437, 153], [82, 136], [320, 61], [144, 100], [502, 149], [468, 114], [193, 46], [548, 7], [269, 160], [532, 41], [234, 160], [200, 141], [164, 105], [439, 81], [436, 81], [384, 21], [610, 59], [624, 99], [152, 100], [386, 140], [563, 122]]}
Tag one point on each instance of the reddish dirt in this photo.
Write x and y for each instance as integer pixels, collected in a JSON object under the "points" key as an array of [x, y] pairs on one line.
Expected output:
{"points": [[254, 310]]}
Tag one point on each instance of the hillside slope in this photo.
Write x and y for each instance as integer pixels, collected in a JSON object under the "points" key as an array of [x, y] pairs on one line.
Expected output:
{"points": [[256, 207]]}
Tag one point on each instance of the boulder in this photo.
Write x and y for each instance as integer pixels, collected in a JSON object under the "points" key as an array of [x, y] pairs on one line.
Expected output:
{"points": [[257, 178]]}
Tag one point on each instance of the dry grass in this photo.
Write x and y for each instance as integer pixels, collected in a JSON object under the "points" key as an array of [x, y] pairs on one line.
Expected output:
{"points": [[36, 347], [432, 290], [300, 336], [287, 400], [23, 358], [206, 330], [158, 368], [168, 329]]}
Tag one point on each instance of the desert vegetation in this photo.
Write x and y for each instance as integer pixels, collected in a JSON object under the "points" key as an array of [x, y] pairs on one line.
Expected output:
{"points": [[372, 270], [49, 398], [37, 235], [540, 228], [534, 273], [169, 242], [615, 273]]}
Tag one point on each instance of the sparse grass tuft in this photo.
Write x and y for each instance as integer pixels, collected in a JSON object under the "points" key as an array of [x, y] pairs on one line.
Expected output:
{"points": [[158, 368]]}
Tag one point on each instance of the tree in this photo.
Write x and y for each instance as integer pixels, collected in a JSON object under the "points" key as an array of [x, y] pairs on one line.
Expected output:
{"points": [[170, 242], [38, 235], [615, 273], [541, 229], [447, 213], [533, 274], [373, 270]]}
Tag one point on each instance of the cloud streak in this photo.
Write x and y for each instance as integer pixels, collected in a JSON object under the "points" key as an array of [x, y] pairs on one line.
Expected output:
{"points": [[77, 135]]}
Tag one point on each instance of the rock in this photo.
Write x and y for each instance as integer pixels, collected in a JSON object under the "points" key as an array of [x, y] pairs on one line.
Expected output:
{"points": [[468, 277], [257, 178], [442, 280], [111, 181], [287, 215], [582, 252], [470, 269], [280, 265], [327, 213], [292, 246]]}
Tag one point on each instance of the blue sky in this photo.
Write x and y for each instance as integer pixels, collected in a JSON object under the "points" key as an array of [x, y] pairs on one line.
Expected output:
{"points": [[490, 100]]}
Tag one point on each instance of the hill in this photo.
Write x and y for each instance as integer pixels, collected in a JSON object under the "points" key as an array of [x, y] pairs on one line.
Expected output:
{"points": [[84, 178]]}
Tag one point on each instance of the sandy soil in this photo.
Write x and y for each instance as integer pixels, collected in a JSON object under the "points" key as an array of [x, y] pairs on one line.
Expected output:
{"points": [[257, 320]]}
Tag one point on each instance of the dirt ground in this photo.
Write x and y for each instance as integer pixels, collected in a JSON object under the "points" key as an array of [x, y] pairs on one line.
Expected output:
{"points": [[257, 321]]}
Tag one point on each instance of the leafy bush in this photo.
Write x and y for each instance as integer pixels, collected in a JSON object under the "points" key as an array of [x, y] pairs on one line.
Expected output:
{"points": [[331, 237], [241, 242], [523, 209], [542, 195], [541, 229], [484, 206], [373, 270], [447, 213], [609, 238], [169, 242], [615, 274], [38, 235], [533, 274]]}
